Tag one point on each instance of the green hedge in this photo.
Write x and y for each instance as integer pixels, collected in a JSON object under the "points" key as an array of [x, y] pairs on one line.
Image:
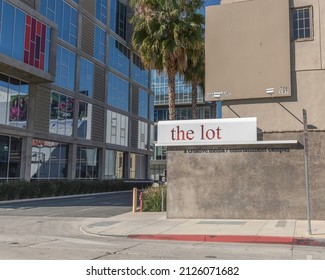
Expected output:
{"points": [[152, 199], [36, 189]]}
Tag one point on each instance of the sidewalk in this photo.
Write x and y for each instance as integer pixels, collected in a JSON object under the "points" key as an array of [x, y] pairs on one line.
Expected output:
{"points": [[155, 226]]}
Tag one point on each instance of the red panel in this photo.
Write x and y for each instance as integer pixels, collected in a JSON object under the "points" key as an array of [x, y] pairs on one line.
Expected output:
{"points": [[42, 61], [43, 38], [27, 37], [26, 56], [28, 19], [38, 28], [36, 64], [31, 53], [33, 34]]}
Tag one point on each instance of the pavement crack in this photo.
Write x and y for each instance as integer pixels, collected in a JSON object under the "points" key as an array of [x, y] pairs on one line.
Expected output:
{"points": [[116, 252], [37, 243]]}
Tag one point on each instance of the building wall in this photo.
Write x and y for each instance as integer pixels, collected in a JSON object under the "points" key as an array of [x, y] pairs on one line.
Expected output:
{"points": [[90, 110], [307, 83], [245, 184]]}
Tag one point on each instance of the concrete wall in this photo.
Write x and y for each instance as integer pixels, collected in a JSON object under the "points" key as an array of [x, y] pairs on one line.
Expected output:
{"points": [[250, 184]]}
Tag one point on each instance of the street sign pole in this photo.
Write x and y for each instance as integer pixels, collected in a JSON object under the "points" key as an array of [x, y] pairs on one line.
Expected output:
{"points": [[304, 113]]}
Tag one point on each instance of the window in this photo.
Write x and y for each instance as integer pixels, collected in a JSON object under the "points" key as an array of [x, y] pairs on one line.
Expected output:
{"points": [[118, 18], [183, 90], [13, 101], [65, 68], [139, 73], [143, 104], [86, 77], [64, 16], [138, 166], [100, 38], [49, 160], [117, 129], [142, 135], [114, 164], [87, 163], [118, 92], [84, 120], [119, 56], [10, 157], [61, 117], [101, 9], [302, 23]]}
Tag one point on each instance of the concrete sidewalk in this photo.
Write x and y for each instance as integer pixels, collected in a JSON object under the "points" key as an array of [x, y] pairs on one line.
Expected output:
{"points": [[155, 226]]}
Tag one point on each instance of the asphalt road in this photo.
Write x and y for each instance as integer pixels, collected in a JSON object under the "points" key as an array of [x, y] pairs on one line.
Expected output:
{"points": [[93, 205], [51, 229]]}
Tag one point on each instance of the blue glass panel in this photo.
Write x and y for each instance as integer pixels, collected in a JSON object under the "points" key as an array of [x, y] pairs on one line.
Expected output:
{"points": [[101, 9], [58, 16], [152, 110], [8, 25], [66, 22], [86, 77], [47, 49], [65, 68], [143, 104], [113, 15], [100, 44], [18, 43], [119, 56], [118, 92]]}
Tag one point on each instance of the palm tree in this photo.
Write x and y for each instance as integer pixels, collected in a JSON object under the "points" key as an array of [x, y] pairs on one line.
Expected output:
{"points": [[195, 73], [163, 30]]}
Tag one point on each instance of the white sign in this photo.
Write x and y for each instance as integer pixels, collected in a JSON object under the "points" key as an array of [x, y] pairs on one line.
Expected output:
{"points": [[207, 132]]}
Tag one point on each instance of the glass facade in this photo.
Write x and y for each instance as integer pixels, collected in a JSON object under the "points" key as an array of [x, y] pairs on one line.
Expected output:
{"points": [[119, 57], [139, 73], [100, 43], [183, 90], [64, 16], [84, 120], [87, 163], [143, 104], [23, 37], [118, 92], [65, 68], [61, 117], [138, 166], [49, 160], [114, 164], [10, 157], [77, 121], [86, 80], [13, 101], [101, 10], [118, 18], [117, 129]]}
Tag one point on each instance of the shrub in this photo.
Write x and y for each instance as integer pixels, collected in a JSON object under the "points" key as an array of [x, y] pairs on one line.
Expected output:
{"points": [[152, 199], [35, 189]]}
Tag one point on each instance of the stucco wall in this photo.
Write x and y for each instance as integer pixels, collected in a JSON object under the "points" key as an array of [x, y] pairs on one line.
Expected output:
{"points": [[246, 184]]}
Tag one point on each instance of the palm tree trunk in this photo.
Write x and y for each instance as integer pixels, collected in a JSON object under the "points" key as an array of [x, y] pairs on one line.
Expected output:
{"points": [[194, 100], [171, 91]]}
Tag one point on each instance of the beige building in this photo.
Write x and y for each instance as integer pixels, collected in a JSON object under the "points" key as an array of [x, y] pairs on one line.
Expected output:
{"points": [[272, 42], [264, 59]]}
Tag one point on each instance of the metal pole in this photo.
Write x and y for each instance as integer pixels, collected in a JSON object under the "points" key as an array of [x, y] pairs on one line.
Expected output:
{"points": [[304, 112], [162, 198]]}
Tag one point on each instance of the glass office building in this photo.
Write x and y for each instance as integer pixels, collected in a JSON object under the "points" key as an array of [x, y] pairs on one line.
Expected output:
{"points": [[75, 101]]}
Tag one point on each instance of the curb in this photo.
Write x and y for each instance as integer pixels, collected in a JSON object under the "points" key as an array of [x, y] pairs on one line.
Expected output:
{"points": [[285, 240]]}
